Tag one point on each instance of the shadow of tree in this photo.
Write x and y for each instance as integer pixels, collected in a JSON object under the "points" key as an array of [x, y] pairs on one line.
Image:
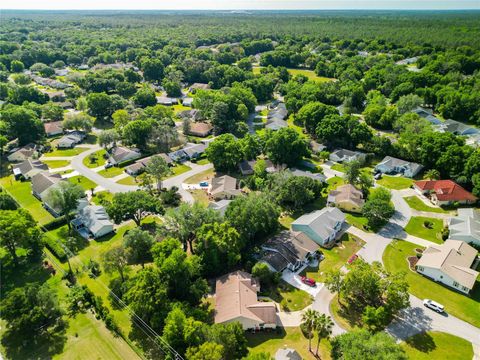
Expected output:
{"points": [[422, 342]]}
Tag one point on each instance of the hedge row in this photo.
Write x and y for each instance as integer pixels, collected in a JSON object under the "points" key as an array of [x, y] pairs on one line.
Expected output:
{"points": [[55, 223], [55, 247]]}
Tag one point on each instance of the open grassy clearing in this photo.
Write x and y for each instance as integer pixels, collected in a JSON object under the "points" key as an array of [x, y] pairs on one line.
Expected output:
{"points": [[111, 172], [338, 167], [22, 193], [83, 181], [417, 204], [291, 337], [416, 227], [456, 304], [335, 258], [66, 152], [95, 159], [55, 164], [437, 345], [310, 74], [179, 107], [297, 128], [395, 182], [334, 182]]}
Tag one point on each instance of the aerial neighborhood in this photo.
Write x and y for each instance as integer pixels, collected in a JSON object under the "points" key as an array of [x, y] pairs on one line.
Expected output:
{"points": [[239, 186]]}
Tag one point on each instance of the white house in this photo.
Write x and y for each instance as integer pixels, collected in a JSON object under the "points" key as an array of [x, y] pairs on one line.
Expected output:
{"points": [[91, 220], [120, 154], [220, 206], [465, 226], [236, 300], [344, 155], [71, 139], [391, 165], [451, 264], [23, 153]]}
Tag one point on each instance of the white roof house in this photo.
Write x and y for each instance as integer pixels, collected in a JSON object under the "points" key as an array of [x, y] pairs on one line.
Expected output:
{"points": [[287, 354], [322, 226], [220, 206], [29, 168], [315, 176], [450, 264], [456, 127], [345, 155], [71, 139], [391, 165], [92, 220], [465, 226]]}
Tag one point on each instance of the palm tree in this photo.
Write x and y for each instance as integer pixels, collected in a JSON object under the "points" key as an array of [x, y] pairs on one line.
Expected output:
{"points": [[309, 317], [432, 175], [323, 327]]}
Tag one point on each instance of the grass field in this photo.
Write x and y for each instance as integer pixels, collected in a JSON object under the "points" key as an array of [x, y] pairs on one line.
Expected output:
{"points": [[22, 192], [66, 152], [294, 126], [416, 227], [335, 258], [395, 182], [289, 297], [95, 159], [417, 204], [437, 345], [456, 304], [291, 337], [111, 172], [178, 169], [203, 162], [84, 182], [308, 73], [129, 180], [55, 164]]}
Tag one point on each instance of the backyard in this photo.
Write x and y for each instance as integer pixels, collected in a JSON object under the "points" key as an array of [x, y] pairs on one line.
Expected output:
{"points": [[417, 204], [437, 345], [456, 304], [425, 228], [395, 182]]}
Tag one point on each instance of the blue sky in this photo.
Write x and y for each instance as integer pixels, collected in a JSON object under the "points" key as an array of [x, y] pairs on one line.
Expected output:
{"points": [[240, 4]]}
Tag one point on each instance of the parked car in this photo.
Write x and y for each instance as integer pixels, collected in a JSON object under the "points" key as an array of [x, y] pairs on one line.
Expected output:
{"points": [[434, 305], [108, 165], [377, 176], [352, 258], [308, 281], [204, 184]]}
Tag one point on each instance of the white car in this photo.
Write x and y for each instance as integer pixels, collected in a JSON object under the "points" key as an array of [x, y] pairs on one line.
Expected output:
{"points": [[434, 305]]}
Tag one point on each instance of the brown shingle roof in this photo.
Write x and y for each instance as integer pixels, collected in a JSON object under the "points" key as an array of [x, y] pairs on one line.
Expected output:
{"points": [[200, 129], [223, 183], [53, 127], [347, 193]]}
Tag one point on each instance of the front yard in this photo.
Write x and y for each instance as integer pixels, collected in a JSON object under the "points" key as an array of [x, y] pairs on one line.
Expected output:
{"points": [[66, 152], [289, 297], [425, 228], [84, 182], [335, 258], [95, 159], [456, 304], [206, 175], [395, 182], [437, 345], [178, 169], [417, 204], [129, 180], [55, 164], [358, 221], [111, 172]]}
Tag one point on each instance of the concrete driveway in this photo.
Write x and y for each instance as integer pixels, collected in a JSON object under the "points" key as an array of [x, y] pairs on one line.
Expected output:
{"points": [[294, 280]]}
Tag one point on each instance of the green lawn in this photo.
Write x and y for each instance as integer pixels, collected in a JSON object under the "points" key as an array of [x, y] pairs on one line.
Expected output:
{"points": [[55, 164], [416, 227], [308, 73], [334, 182], [289, 297], [179, 169], [203, 162], [338, 167], [111, 172], [204, 175], [95, 159], [294, 126], [84, 182], [358, 221], [22, 192], [66, 152], [437, 345], [344, 316], [417, 204], [291, 337], [456, 304], [101, 195], [200, 196], [395, 182], [129, 180], [335, 258], [178, 107]]}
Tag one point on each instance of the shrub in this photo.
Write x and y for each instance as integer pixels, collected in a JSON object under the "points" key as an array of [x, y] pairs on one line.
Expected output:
{"points": [[54, 246], [428, 224], [56, 223]]}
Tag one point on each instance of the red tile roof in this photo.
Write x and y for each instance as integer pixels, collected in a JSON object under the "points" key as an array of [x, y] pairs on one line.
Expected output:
{"points": [[446, 190]]}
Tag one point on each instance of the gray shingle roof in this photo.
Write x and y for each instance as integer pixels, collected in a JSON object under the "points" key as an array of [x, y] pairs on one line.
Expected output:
{"points": [[323, 221]]}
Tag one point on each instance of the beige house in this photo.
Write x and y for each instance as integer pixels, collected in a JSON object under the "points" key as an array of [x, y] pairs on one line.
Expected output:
{"points": [[346, 197], [451, 264], [223, 187], [236, 300], [23, 153]]}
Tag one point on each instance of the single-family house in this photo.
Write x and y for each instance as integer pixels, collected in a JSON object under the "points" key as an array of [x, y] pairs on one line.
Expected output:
{"points": [[192, 115], [139, 166], [465, 226], [247, 166], [457, 128], [450, 264], [345, 155], [322, 226], [194, 151], [288, 250], [427, 115], [444, 192], [188, 101], [317, 147], [53, 128], [42, 184], [275, 124], [315, 176], [200, 129], [91, 220], [287, 354], [236, 300], [121, 154], [277, 111], [220, 206], [23, 153], [407, 61], [198, 86], [71, 139], [166, 101], [28, 168], [223, 187], [391, 165], [346, 197]]}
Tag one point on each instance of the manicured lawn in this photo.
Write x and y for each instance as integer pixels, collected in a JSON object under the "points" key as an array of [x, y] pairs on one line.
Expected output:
{"points": [[437, 345], [111, 172], [84, 182], [177, 108], [204, 175], [395, 182], [417, 204], [95, 159], [308, 73], [416, 227], [101, 195], [335, 258], [66, 152], [291, 337], [63, 172], [338, 167], [129, 180], [22, 192], [179, 169], [456, 304], [345, 317], [358, 221], [200, 196], [55, 164], [203, 162], [334, 182], [289, 297]]}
